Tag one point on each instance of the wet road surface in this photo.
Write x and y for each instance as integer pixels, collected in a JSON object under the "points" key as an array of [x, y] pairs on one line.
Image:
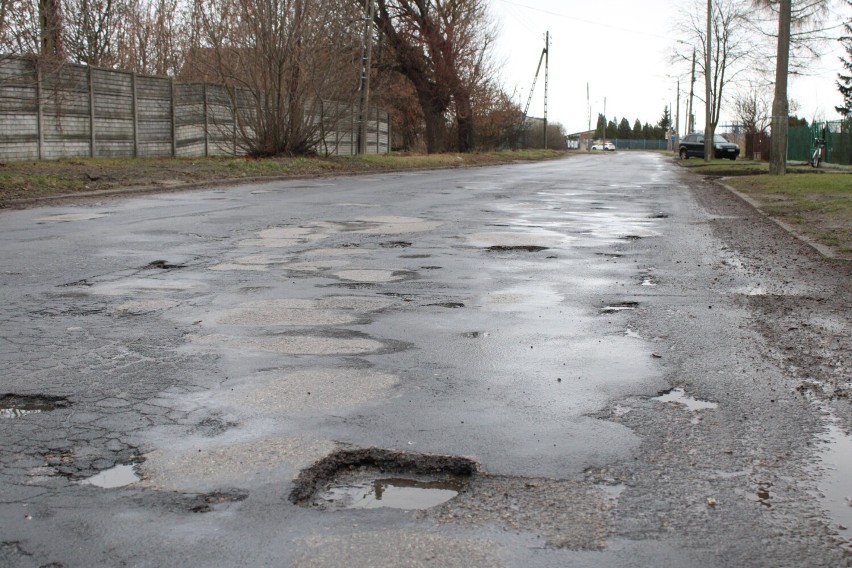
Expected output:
{"points": [[574, 338]]}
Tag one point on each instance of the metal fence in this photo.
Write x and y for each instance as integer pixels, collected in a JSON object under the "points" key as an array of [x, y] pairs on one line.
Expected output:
{"points": [[68, 111], [630, 144], [800, 142]]}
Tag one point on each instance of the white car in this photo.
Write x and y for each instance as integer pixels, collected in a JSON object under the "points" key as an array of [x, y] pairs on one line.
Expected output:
{"points": [[606, 146]]}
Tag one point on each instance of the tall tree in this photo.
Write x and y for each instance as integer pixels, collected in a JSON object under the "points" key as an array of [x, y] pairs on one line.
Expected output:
{"points": [[624, 130], [804, 15], [637, 130], [600, 129], [665, 122], [844, 79], [719, 34], [438, 45]]}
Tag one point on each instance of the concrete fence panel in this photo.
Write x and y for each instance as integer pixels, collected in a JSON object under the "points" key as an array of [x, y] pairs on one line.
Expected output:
{"points": [[65, 111]]}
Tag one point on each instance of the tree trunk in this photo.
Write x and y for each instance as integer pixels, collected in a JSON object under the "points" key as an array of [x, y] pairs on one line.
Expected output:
{"points": [[436, 126], [464, 122], [780, 109], [708, 76]]}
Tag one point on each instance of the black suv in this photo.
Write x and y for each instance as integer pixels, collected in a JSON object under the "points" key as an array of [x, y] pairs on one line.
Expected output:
{"points": [[693, 145]]}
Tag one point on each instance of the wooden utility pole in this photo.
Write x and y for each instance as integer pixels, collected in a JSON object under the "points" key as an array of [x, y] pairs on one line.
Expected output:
{"points": [[780, 110], [366, 63], [690, 117], [546, 67], [708, 76]]}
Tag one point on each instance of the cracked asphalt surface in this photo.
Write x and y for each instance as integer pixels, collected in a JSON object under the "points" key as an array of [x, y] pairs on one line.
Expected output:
{"points": [[527, 317]]}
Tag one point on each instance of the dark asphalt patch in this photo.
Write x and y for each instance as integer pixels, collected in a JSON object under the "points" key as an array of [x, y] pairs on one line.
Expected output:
{"points": [[314, 483], [451, 305], [631, 238], [395, 244]]}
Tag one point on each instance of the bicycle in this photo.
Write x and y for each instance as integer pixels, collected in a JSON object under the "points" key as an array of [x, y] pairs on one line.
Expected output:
{"points": [[816, 158]]}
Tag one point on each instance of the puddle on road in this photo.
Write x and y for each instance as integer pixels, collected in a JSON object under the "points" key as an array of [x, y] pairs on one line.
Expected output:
{"points": [[295, 344], [393, 493], [679, 396], [835, 470], [118, 476], [373, 478], [516, 248], [16, 406], [620, 307], [369, 275], [388, 225], [66, 217]]}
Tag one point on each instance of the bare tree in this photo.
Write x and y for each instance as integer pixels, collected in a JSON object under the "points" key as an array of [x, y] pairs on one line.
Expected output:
{"points": [[440, 47], [20, 32], [722, 54], [283, 62], [752, 109]]}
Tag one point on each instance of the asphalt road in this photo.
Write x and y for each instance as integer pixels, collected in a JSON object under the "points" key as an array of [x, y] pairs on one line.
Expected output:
{"points": [[641, 370]]}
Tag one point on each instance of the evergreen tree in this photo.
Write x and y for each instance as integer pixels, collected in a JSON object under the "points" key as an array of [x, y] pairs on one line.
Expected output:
{"points": [[637, 130], [844, 80], [611, 129], [624, 131], [601, 128], [666, 120]]}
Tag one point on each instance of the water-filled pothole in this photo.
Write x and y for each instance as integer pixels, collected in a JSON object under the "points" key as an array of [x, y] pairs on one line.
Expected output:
{"points": [[162, 265], [375, 478], [15, 405], [619, 307], [366, 491], [679, 397], [516, 248], [395, 244], [118, 476]]}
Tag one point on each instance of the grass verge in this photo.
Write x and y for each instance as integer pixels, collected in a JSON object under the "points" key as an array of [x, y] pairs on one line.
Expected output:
{"points": [[27, 180], [817, 205]]}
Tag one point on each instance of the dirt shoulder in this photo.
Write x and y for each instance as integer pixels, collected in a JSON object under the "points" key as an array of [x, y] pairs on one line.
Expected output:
{"points": [[815, 205], [28, 184]]}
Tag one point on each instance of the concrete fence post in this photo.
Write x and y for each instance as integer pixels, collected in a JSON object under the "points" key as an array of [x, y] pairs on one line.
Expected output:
{"points": [[378, 131], [206, 121], [174, 116], [352, 139], [92, 140], [39, 109], [235, 111], [135, 117]]}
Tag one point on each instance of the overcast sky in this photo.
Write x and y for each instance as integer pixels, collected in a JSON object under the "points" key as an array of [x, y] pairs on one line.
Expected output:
{"points": [[621, 48]]}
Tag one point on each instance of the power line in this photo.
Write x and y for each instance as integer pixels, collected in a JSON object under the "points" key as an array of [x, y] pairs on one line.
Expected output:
{"points": [[582, 20]]}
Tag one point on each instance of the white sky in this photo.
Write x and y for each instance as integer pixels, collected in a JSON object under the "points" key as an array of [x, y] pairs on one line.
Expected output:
{"points": [[621, 48]]}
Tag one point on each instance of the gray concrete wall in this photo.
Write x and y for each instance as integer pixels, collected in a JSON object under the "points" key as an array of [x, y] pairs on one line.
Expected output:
{"points": [[70, 111]]}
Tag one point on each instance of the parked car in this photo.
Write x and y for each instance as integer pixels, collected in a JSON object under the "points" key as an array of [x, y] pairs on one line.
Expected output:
{"points": [[693, 145], [606, 146]]}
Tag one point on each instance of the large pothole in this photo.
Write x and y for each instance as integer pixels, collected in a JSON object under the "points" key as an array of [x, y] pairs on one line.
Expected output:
{"points": [[17, 405], [375, 478]]}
